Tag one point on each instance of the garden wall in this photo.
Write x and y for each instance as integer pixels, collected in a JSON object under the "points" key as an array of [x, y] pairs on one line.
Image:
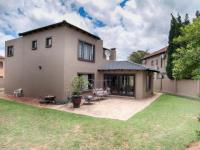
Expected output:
{"points": [[189, 88], [1, 82]]}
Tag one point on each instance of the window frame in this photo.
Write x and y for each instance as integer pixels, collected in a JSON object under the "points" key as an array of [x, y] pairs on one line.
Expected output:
{"points": [[82, 52], [92, 80], [34, 48], [8, 51], [148, 82], [152, 62], [46, 42]]}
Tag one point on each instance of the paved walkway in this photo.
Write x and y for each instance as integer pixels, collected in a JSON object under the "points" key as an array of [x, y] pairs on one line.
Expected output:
{"points": [[121, 108]]}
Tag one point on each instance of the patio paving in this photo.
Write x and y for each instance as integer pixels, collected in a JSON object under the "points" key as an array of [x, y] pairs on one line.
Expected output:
{"points": [[121, 108], [113, 107]]}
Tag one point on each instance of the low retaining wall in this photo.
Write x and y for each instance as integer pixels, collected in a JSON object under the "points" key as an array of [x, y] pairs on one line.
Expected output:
{"points": [[189, 88]]}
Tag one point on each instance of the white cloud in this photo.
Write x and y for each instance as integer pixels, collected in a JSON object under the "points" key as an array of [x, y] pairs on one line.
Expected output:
{"points": [[139, 25]]}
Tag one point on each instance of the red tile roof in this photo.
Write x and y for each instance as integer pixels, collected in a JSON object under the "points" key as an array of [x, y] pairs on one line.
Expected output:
{"points": [[163, 50]]}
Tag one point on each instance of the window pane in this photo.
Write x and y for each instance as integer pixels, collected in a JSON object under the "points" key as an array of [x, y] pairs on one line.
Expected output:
{"points": [[80, 50], [85, 51], [48, 42], [34, 44], [85, 77], [10, 51], [91, 54], [90, 79]]}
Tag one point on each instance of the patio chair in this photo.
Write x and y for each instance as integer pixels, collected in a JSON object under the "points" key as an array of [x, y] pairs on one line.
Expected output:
{"points": [[18, 92], [100, 93], [88, 98], [49, 99]]}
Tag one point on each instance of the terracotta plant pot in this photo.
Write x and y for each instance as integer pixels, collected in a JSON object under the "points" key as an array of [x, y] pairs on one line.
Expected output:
{"points": [[76, 100]]}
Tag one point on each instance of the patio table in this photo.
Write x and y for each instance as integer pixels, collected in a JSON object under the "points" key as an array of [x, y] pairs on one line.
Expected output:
{"points": [[50, 99]]}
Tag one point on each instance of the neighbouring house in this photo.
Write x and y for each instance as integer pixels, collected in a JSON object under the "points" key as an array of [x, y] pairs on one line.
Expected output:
{"points": [[158, 61], [44, 61], [2, 66], [2, 71]]}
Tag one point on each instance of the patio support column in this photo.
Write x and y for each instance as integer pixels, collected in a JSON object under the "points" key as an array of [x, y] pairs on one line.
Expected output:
{"points": [[139, 85]]}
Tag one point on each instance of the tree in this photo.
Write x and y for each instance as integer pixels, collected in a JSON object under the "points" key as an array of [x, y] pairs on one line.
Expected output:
{"points": [[187, 21], [137, 56], [197, 14], [186, 60], [174, 32]]}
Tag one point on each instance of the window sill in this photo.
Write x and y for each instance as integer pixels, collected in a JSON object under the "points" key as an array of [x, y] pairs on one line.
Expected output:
{"points": [[49, 46], [34, 49], [85, 60]]}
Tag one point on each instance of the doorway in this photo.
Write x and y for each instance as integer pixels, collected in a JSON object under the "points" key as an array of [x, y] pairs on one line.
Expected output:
{"points": [[120, 84]]}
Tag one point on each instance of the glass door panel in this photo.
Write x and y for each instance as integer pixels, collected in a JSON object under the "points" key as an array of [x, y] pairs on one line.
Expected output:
{"points": [[120, 84]]}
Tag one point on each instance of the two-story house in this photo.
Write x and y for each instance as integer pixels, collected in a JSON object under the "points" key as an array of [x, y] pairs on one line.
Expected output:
{"points": [[2, 71], [44, 61], [2, 66], [158, 61]]}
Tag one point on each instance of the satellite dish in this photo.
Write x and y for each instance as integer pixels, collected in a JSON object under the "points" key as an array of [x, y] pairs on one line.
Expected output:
{"points": [[107, 53]]}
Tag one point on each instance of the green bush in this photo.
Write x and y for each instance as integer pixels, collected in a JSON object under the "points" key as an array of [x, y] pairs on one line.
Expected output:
{"points": [[198, 131]]}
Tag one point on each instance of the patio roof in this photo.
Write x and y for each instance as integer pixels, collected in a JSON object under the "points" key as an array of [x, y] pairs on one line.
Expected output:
{"points": [[126, 66]]}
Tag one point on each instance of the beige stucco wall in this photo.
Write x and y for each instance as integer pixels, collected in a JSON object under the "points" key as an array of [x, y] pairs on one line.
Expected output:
{"points": [[59, 63], [2, 67], [140, 82], [73, 66], [22, 70], [2, 72], [13, 66], [162, 69], [189, 88], [154, 59]]}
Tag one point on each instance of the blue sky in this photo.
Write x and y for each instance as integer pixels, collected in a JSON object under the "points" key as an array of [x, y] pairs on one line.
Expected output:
{"points": [[127, 25]]}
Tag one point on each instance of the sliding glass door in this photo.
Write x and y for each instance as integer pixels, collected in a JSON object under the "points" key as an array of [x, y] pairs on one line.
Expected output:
{"points": [[120, 84]]}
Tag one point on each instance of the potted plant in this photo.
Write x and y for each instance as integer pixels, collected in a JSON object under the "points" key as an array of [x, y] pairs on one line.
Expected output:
{"points": [[77, 88]]}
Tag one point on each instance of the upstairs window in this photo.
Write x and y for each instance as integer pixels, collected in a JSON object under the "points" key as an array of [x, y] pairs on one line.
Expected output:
{"points": [[34, 45], [48, 42], [144, 62], [10, 51], [86, 51], [157, 62], [152, 63]]}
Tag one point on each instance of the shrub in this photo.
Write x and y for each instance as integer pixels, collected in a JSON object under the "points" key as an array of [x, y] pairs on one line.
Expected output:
{"points": [[198, 131]]}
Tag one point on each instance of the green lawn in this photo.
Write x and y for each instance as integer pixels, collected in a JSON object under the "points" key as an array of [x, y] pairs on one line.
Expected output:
{"points": [[169, 123]]}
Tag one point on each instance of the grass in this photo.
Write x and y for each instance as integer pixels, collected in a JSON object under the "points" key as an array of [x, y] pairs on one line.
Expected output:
{"points": [[168, 123]]}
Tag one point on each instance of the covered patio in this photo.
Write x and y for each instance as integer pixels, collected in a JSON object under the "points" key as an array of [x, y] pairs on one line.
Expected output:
{"points": [[127, 78]]}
